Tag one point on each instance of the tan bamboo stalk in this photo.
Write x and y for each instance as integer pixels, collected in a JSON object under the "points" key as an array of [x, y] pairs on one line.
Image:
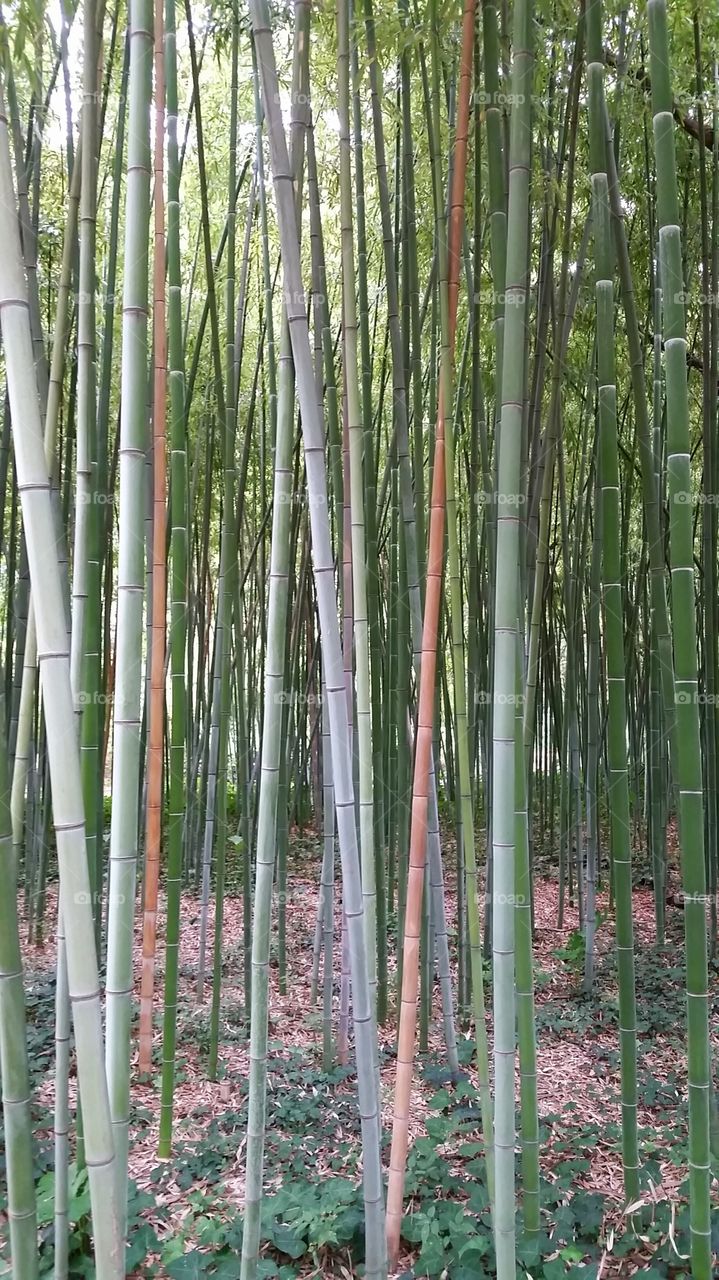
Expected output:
{"points": [[156, 728], [428, 672]]}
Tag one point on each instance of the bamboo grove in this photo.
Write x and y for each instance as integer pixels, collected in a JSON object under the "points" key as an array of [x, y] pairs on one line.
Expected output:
{"points": [[359, 474]]}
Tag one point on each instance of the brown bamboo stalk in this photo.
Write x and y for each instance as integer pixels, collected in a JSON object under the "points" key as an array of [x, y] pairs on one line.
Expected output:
{"points": [[156, 726], [427, 682]]}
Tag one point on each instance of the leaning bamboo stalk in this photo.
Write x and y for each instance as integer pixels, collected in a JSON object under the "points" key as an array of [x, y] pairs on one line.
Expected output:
{"points": [[275, 696], [54, 661], [24, 729], [52, 418], [323, 563]]}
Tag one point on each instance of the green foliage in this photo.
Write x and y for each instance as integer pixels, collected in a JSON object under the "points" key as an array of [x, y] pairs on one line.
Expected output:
{"points": [[40, 1014], [142, 1237], [573, 951], [315, 1220], [311, 1217]]}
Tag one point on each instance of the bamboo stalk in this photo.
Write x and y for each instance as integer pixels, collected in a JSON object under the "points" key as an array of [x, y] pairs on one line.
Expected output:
{"points": [[153, 830], [54, 661]]}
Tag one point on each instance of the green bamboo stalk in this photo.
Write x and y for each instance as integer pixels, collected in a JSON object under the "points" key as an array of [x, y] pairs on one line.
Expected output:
{"points": [[526, 1034], [227, 569], [553, 428], [124, 824], [328, 871], [22, 1214], [86, 382], [618, 781], [592, 742], [373, 573], [357, 506], [662, 639], [688, 761], [61, 1225], [506, 613], [228, 560]]}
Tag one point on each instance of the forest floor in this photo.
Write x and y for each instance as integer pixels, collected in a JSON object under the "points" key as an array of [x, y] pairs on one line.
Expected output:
{"points": [[185, 1213]]}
